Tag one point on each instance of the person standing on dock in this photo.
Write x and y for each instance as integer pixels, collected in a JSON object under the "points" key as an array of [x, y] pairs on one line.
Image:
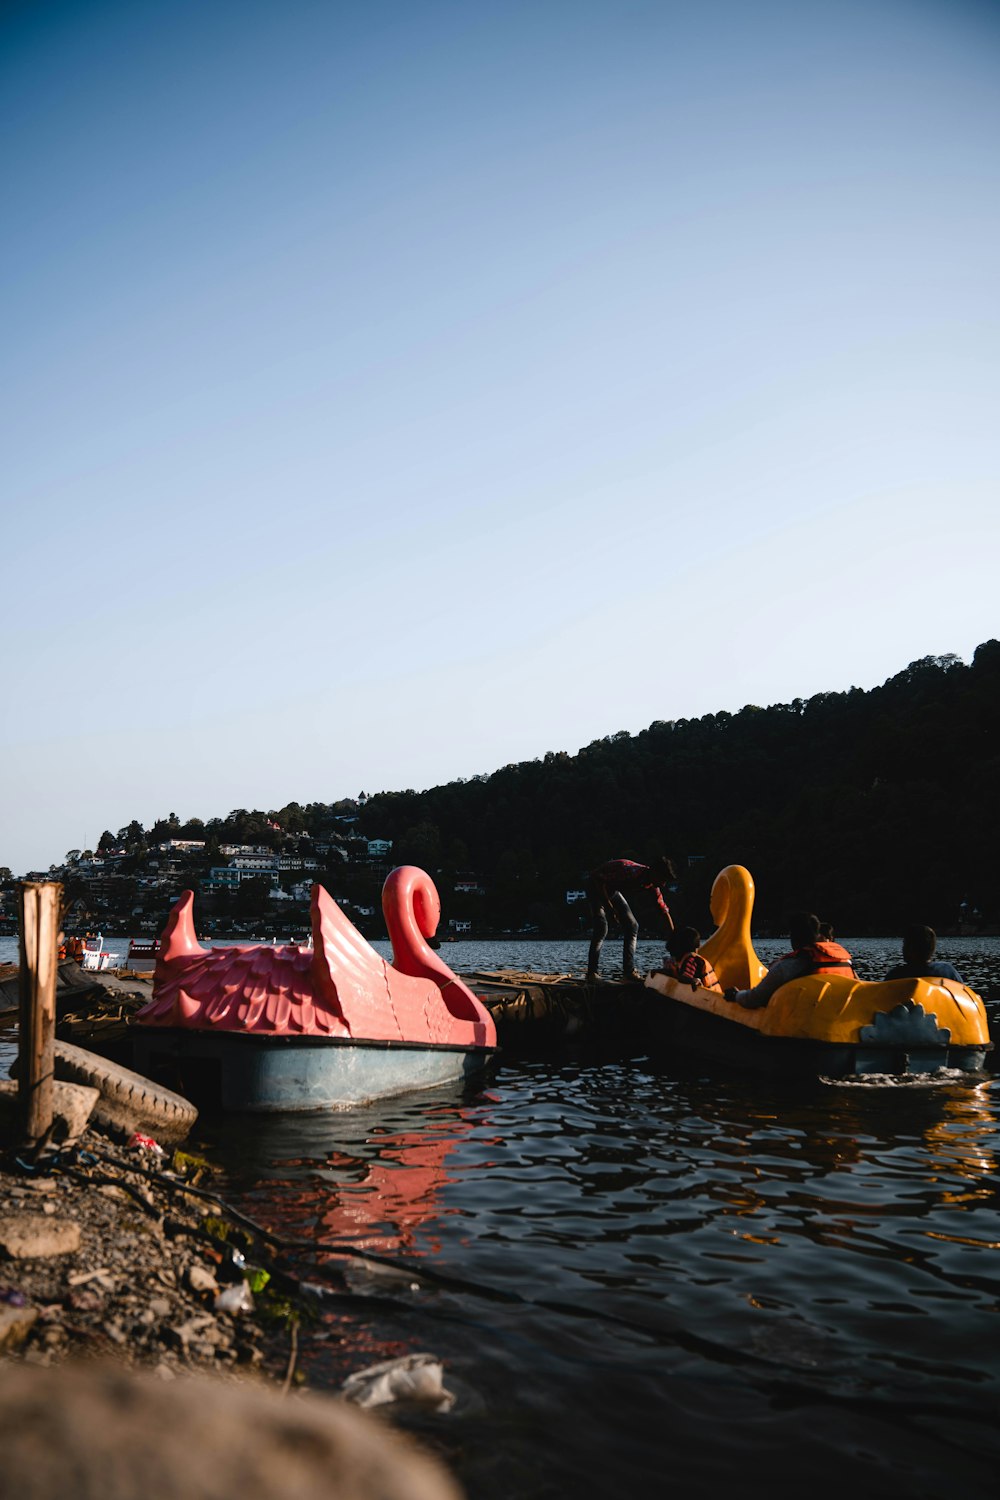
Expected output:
{"points": [[605, 892]]}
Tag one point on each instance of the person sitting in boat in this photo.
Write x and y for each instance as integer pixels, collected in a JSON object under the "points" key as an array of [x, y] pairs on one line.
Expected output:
{"points": [[919, 944], [810, 954], [685, 963], [605, 889]]}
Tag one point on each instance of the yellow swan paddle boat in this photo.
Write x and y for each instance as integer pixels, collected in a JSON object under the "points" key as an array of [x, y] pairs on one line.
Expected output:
{"points": [[823, 1023]]}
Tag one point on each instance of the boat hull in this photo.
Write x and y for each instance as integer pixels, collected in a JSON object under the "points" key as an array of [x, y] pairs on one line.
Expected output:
{"points": [[248, 1071], [673, 1022]]}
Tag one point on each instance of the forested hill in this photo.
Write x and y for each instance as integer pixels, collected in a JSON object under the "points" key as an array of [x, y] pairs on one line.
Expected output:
{"points": [[873, 808]]}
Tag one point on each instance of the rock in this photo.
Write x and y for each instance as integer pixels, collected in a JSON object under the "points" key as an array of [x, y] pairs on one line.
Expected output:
{"points": [[79, 1278], [25, 1236], [160, 1307], [183, 1333], [85, 1299], [103, 1430], [72, 1106], [15, 1324], [200, 1278]]}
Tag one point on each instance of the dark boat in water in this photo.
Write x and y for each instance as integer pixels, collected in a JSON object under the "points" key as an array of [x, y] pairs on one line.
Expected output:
{"points": [[826, 1024]]}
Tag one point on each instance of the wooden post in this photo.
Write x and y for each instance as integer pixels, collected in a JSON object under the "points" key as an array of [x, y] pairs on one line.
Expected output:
{"points": [[40, 904]]}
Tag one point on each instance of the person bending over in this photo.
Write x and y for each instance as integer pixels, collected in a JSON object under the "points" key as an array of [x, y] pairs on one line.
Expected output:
{"points": [[686, 963], [810, 954], [606, 889], [919, 962]]}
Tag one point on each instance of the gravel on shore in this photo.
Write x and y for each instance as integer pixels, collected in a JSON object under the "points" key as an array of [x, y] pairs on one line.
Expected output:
{"points": [[105, 1249]]}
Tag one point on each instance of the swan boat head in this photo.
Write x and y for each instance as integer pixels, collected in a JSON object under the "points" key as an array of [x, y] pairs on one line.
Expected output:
{"points": [[730, 949]]}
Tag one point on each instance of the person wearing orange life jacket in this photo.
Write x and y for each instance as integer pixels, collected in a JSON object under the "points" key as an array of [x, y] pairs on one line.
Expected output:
{"points": [[686, 963], [810, 954]]}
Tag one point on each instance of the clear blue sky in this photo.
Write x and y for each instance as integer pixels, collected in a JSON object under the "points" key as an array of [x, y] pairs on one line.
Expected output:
{"points": [[395, 390]]}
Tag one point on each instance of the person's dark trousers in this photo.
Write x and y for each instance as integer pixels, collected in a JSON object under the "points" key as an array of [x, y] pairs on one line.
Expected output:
{"points": [[630, 931]]}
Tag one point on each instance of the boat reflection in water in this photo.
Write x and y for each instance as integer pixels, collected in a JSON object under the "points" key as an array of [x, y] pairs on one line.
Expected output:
{"points": [[829, 1181], [373, 1183]]}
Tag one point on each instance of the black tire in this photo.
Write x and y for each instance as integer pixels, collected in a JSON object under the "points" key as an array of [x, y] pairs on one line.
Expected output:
{"points": [[128, 1101]]}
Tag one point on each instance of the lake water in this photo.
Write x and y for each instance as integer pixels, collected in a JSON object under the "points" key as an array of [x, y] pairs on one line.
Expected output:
{"points": [[665, 1276]]}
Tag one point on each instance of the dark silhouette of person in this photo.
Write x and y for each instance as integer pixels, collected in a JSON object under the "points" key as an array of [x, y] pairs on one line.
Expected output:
{"points": [[919, 945], [810, 954], [605, 892]]}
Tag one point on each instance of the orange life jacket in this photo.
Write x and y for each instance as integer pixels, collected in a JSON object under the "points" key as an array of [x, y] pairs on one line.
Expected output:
{"points": [[826, 958], [696, 971]]}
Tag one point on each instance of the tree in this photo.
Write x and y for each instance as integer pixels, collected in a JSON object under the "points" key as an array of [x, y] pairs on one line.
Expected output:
{"points": [[251, 897], [421, 845]]}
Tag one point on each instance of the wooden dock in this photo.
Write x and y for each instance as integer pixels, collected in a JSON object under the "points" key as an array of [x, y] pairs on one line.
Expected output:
{"points": [[543, 1010]]}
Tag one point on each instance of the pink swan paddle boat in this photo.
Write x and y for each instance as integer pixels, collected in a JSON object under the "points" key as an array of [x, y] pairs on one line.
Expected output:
{"points": [[325, 1027]]}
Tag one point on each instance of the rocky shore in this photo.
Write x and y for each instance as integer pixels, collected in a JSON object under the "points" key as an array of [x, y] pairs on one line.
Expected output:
{"points": [[112, 1249], [163, 1338]]}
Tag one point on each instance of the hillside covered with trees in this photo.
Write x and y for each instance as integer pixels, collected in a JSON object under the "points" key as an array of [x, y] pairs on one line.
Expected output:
{"points": [[873, 808]]}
